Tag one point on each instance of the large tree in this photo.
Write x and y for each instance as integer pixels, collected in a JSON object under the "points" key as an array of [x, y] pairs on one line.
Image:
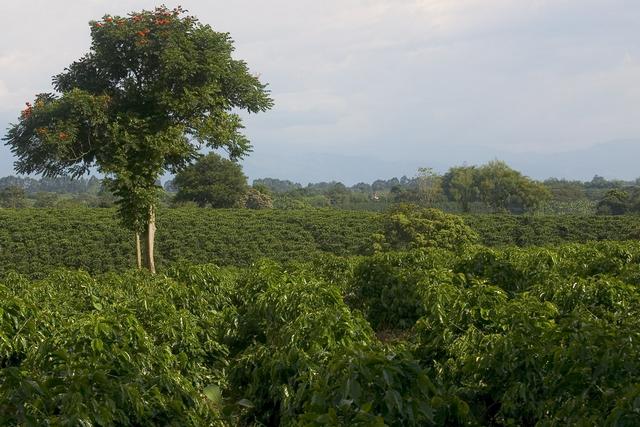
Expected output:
{"points": [[155, 87]]}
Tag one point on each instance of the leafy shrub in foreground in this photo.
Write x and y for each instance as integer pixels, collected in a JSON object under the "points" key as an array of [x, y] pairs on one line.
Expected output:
{"points": [[542, 336], [291, 325], [564, 353], [374, 388], [385, 285], [103, 369]]}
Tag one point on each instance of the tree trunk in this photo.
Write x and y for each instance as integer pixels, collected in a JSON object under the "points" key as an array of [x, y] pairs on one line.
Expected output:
{"points": [[138, 252], [151, 236], [465, 206]]}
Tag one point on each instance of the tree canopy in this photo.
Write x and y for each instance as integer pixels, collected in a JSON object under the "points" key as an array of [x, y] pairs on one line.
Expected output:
{"points": [[211, 181]]}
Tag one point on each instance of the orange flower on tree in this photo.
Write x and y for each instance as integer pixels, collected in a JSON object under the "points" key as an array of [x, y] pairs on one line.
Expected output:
{"points": [[28, 110], [63, 136]]}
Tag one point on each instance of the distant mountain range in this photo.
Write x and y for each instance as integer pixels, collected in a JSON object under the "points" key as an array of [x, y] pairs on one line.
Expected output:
{"points": [[612, 160], [300, 163], [619, 159]]}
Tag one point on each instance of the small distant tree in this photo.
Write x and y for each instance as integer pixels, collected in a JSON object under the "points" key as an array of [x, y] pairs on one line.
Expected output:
{"points": [[337, 194], [45, 200], [505, 189], [13, 197], [155, 87], [614, 202], [460, 185], [429, 186], [211, 181], [566, 191]]}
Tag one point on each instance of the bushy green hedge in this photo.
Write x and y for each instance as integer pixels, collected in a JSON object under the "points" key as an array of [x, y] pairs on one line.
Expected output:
{"points": [[524, 230], [34, 241], [537, 336]]}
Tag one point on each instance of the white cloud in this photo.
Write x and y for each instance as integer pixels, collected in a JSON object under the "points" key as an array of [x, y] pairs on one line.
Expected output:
{"points": [[396, 75]]}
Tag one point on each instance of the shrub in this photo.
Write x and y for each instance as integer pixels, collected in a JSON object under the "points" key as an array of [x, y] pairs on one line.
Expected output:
{"points": [[407, 226]]}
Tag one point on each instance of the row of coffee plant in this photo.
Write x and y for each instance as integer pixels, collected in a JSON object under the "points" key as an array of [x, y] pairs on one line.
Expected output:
{"points": [[34, 241], [469, 336]]}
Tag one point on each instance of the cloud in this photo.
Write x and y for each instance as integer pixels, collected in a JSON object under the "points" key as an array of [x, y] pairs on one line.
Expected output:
{"points": [[396, 78]]}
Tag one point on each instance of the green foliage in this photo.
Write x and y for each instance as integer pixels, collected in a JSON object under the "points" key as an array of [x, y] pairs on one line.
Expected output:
{"points": [[289, 325], [542, 336], [537, 336], [619, 202], [525, 230], [45, 200], [12, 197], [459, 185], [130, 349], [504, 188], [35, 241], [211, 181], [374, 388], [407, 226], [256, 199], [496, 185], [385, 286], [154, 88]]}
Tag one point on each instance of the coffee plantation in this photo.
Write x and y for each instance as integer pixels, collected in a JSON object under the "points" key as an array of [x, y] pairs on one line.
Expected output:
{"points": [[477, 336], [35, 241]]}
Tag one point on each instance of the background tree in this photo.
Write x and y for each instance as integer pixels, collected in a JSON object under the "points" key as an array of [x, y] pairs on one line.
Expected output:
{"points": [[614, 202], [460, 185], [563, 190], [505, 189], [13, 197], [154, 88], [277, 185], [429, 186], [337, 194], [211, 181], [45, 200]]}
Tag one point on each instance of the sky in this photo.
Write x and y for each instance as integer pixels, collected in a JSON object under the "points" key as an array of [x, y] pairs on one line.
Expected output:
{"points": [[368, 89]]}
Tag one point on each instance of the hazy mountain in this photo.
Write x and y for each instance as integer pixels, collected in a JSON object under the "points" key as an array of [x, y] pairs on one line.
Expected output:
{"points": [[619, 159]]}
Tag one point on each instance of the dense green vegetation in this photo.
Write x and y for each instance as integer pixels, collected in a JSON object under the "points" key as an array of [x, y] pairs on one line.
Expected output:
{"points": [[36, 240], [33, 241], [474, 189], [426, 337]]}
